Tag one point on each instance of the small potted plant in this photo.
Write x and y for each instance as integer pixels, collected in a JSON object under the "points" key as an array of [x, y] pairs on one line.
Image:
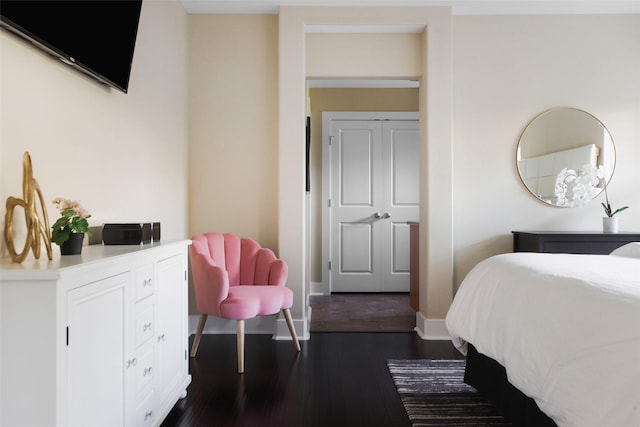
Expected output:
{"points": [[609, 222], [69, 230]]}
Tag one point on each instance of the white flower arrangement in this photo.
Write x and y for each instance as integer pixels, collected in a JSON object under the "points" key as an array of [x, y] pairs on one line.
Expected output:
{"points": [[586, 185], [588, 182]]}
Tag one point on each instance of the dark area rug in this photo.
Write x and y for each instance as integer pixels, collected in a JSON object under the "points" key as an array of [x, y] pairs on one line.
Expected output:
{"points": [[434, 394]]}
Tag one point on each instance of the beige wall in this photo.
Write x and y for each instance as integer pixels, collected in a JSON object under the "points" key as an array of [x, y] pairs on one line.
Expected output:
{"points": [[507, 70], [347, 55], [334, 99], [233, 154], [124, 156]]}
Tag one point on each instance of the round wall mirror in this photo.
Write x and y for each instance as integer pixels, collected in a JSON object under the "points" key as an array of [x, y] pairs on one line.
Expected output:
{"points": [[565, 157]]}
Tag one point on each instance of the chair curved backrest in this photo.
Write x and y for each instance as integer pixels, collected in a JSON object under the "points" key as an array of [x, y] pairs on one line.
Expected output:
{"points": [[222, 260], [236, 278]]}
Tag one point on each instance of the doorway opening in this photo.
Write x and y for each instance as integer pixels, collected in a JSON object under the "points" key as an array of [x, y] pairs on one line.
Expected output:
{"points": [[373, 105], [432, 58]]}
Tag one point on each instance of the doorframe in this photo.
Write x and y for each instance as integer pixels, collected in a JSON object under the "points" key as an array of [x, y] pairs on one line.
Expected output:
{"points": [[436, 141], [328, 117]]}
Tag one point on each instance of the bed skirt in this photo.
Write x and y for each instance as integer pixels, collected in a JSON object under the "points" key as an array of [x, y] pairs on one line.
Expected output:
{"points": [[490, 378]]}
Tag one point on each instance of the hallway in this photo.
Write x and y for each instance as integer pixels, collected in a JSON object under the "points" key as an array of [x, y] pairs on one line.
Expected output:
{"points": [[362, 312]]}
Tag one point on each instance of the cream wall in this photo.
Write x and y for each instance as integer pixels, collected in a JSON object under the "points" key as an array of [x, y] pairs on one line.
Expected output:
{"points": [[124, 156], [336, 99], [507, 70], [233, 154], [349, 55]]}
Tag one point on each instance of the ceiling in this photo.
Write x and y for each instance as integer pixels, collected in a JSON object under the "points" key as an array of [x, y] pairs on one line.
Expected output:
{"points": [[459, 7]]}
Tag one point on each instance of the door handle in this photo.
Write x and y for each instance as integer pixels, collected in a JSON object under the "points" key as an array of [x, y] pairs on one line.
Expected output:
{"points": [[386, 215]]}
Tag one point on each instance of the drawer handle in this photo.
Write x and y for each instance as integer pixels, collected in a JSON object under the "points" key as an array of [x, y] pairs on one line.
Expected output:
{"points": [[148, 415], [132, 362], [146, 327], [147, 282], [147, 371], [160, 337]]}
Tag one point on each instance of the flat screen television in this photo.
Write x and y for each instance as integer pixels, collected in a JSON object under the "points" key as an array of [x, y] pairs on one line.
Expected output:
{"points": [[93, 36]]}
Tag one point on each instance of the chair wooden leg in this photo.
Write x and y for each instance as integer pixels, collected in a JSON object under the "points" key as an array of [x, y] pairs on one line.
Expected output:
{"points": [[292, 330], [240, 339], [196, 340]]}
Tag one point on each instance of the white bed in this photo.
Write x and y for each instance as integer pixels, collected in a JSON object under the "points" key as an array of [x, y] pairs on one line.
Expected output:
{"points": [[566, 328]]}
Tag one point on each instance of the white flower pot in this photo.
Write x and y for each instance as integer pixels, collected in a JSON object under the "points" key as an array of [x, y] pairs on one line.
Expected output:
{"points": [[610, 224]]}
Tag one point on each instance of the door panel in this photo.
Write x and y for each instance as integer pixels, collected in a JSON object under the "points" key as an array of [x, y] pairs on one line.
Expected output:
{"points": [[401, 151], [171, 341], [355, 155], [404, 145], [356, 248], [95, 353], [396, 277], [374, 192]]}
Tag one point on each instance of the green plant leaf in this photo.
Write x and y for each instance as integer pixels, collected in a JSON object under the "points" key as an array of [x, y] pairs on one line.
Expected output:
{"points": [[60, 235], [619, 210], [607, 209]]}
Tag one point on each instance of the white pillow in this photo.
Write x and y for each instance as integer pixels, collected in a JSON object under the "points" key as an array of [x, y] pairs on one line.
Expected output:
{"points": [[629, 250]]}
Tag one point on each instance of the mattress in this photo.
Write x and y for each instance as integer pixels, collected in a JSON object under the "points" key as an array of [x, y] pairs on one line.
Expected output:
{"points": [[565, 327]]}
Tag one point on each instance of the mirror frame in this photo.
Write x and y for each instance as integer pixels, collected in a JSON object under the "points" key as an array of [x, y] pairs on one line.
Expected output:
{"points": [[607, 142]]}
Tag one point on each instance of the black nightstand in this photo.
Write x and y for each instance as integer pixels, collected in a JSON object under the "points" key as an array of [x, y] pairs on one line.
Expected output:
{"points": [[571, 242]]}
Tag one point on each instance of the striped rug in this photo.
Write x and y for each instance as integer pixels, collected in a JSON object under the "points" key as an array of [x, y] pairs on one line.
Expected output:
{"points": [[434, 394]]}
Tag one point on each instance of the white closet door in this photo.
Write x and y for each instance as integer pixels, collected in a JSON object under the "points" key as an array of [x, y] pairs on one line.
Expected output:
{"points": [[401, 154], [374, 192]]}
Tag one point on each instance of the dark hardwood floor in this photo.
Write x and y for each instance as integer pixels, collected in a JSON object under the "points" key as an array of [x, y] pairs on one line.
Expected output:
{"points": [[338, 379]]}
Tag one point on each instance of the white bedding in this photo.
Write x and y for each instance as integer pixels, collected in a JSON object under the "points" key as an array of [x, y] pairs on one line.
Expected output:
{"points": [[565, 327]]}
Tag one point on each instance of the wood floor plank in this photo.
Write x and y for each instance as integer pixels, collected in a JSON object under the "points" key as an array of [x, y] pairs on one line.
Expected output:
{"points": [[338, 379]]}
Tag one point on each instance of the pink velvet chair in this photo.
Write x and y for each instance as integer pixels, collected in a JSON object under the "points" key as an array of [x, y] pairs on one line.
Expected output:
{"points": [[235, 278]]}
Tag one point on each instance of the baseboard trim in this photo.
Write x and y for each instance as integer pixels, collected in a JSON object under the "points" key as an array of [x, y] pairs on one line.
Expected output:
{"points": [[300, 325], [319, 288], [257, 325], [431, 329]]}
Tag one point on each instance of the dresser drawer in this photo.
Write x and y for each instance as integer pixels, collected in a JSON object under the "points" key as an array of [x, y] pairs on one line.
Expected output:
{"points": [[143, 278], [144, 324], [576, 242], [145, 411], [145, 368]]}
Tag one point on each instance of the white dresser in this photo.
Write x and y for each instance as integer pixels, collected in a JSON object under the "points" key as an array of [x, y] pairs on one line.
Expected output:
{"points": [[98, 339]]}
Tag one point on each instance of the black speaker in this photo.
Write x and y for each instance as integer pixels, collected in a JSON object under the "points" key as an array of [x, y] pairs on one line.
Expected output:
{"points": [[127, 234], [155, 231]]}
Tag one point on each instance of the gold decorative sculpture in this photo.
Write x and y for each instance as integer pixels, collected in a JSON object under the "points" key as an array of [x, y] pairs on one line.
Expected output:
{"points": [[35, 228]]}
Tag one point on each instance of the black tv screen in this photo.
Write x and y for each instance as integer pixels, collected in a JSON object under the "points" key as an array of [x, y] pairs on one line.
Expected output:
{"points": [[93, 36]]}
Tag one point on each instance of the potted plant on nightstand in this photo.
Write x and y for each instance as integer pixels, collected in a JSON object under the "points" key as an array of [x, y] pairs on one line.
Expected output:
{"points": [[69, 230], [610, 222]]}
